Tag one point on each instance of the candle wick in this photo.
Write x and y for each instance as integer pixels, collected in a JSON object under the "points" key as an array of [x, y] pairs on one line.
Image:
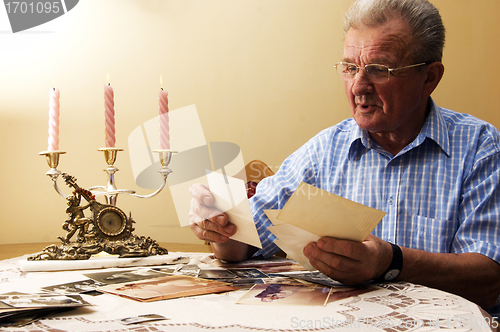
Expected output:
{"points": [[161, 89], [109, 83]]}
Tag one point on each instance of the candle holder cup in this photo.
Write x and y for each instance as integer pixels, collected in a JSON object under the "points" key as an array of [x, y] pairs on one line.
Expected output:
{"points": [[107, 228]]}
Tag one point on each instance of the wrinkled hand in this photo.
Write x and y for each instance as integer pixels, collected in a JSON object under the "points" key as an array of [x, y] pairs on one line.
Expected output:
{"points": [[206, 222], [350, 262]]}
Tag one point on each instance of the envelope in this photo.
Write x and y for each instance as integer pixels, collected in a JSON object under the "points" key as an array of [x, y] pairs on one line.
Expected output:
{"points": [[312, 213], [326, 214]]}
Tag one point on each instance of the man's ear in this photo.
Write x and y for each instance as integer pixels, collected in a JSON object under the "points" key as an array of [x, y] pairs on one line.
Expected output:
{"points": [[435, 71]]}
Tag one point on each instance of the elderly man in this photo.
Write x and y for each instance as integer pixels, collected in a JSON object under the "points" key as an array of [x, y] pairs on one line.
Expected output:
{"points": [[434, 171]]}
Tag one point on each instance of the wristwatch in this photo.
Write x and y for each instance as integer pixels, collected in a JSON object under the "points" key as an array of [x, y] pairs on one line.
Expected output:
{"points": [[396, 265]]}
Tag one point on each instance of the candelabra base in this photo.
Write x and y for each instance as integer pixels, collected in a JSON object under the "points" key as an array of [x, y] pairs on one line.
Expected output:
{"points": [[133, 246], [107, 229], [101, 262]]}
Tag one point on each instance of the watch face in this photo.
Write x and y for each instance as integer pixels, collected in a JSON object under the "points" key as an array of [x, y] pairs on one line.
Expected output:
{"points": [[392, 274]]}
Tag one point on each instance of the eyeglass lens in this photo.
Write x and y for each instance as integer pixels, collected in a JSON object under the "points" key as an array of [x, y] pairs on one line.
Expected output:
{"points": [[376, 73]]}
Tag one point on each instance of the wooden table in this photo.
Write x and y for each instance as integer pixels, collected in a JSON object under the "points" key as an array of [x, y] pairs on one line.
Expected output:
{"points": [[19, 249]]}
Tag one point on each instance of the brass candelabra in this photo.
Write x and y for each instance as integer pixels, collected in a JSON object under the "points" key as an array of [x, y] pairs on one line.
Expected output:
{"points": [[106, 228]]}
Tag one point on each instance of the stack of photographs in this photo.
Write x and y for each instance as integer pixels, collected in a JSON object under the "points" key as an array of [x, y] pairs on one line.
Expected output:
{"points": [[19, 309]]}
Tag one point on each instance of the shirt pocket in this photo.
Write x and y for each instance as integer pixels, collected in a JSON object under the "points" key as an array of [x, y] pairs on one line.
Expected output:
{"points": [[430, 234]]}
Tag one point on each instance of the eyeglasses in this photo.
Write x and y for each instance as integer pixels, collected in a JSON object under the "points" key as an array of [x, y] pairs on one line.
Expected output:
{"points": [[376, 73]]}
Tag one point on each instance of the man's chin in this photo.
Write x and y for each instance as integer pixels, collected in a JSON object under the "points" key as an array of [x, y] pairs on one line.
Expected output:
{"points": [[366, 121]]}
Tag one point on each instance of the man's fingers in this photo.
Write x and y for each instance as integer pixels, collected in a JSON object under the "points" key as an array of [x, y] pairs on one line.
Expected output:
{"points": [[352, 249], [199, 212], [206, 235], [210, 231], [348, 261], [207, 222], [329, 262], [202, 194], [226, 230]]}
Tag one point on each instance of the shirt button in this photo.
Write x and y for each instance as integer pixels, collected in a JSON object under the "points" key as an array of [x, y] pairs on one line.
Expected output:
{"points": [[390, 201]]}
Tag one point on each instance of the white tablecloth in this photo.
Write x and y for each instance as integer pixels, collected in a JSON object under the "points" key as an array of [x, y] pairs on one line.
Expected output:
{"points": [[394, 307]]}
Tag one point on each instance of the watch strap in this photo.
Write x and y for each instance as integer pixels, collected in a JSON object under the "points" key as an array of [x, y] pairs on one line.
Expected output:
{"points": [[395, 267]]}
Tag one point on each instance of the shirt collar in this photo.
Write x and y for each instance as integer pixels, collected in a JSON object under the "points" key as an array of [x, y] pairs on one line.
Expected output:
{"points": [[434, 128]]}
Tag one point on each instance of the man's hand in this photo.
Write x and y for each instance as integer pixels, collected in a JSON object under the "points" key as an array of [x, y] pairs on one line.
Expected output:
{"points": [[206, 222], [210, 224], [350, 262]]}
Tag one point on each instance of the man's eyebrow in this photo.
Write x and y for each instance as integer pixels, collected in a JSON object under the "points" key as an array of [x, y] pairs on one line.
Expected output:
{"points": [[378, 61], [347, 60]]}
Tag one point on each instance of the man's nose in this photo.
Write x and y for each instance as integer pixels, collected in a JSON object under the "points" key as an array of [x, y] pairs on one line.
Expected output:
{"points": [[362, 84]]}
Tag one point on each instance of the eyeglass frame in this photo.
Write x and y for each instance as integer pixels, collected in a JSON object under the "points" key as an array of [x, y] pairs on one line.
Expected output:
{"points": [[389, 70]]}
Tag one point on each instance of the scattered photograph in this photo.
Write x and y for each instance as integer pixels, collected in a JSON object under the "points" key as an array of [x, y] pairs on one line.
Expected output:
{"points": [[188, 270], [258, 263], [339, 293], [14, 293], [284, 280], [166, 270], [216, 274], [141, 319], [316, 277], [20, 309], [168, 287], [121, 276], [33, 301], [281, 268], [22, 317], [283, 294], [272, 264], [247, 281], [77, 287], [250, 273], [5, 296]]}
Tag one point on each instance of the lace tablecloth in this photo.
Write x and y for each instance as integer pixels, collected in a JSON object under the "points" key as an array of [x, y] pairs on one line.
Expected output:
{"points": [[393, 307]]}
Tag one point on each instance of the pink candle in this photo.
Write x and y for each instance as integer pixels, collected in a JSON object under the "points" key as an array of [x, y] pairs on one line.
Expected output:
{"points": [[53, 141], [109, 116], [164, 126]]}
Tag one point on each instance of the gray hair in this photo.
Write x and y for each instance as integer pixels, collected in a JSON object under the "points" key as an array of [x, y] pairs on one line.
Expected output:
{"points": [[422, 17]]}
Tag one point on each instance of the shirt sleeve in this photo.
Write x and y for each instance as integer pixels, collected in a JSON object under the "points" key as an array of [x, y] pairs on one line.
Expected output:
{"points": [[273, 192], [480, 203]]}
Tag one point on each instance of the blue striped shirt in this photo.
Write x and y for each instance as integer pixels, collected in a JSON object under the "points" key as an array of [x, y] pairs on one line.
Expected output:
{"points": [[441, 192]]}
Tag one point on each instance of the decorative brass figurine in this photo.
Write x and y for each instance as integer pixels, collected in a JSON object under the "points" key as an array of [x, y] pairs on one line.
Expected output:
{"points": [[106, 228]]}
